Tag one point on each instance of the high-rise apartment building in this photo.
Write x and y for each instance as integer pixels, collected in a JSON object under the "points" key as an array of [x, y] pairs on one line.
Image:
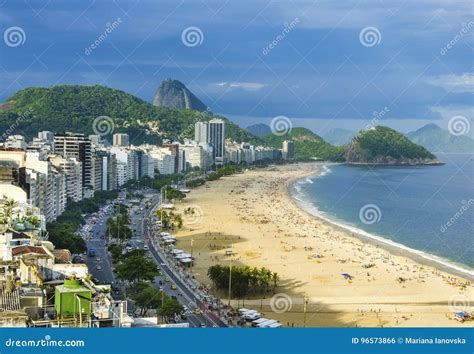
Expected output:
{"points": [[71, 145], [121, 139], [217, 140]]}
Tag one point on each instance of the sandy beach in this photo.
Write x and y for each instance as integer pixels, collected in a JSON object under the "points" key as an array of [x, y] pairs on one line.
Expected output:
{"points": [[253, 215]]}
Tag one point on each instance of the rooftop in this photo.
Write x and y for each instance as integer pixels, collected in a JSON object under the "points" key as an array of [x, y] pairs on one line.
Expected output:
{"points": [[21, 250]]}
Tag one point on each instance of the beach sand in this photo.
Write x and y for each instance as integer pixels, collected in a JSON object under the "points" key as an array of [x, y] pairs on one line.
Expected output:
{"points": [[253, 214]]}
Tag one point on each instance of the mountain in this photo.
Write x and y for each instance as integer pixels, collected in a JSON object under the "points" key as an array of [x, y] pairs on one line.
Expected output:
{"points": [[385, 146], [81, 108], [436, 139], [174, 94], [308, 145], [259, 129], [339, 136]]}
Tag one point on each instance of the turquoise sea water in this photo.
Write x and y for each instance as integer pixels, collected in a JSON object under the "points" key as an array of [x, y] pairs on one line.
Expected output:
{"points": [[423, 208]]}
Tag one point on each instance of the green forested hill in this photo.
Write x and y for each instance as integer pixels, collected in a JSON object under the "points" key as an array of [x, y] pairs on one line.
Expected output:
{"points": [[383, 145], [308, 145], [75, 107]]}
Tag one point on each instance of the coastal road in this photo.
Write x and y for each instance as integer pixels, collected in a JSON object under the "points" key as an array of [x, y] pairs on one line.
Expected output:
{"points": [[183, 294], [139, 218], [102, 269]]}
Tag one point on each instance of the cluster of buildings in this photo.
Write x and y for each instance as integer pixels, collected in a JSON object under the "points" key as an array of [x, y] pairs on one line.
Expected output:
{"points": [[53, 168], [39, 284]]}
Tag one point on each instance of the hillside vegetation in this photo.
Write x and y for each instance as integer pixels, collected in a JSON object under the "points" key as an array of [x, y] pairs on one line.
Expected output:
{"points": [[308, 145], [75, 107], [383, 145]]}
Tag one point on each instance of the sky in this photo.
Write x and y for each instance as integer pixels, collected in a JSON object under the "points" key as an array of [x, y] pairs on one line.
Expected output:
{"points": [[322, 64]]}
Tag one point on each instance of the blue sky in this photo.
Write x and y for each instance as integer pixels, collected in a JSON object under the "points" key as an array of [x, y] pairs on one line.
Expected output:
{"points": [[321, 72]]}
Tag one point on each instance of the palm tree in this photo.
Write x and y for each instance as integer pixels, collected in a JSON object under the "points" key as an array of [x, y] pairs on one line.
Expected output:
{"points": [[8, 209], [214, 272], [275, 279]]}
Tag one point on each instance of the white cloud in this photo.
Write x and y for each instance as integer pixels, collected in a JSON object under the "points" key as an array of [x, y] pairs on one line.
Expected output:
{"points": [[247, 86], [454, 83]]}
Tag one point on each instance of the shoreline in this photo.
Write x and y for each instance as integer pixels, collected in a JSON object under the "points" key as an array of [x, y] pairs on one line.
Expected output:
{"points": [[395, 248], [254, 215]]}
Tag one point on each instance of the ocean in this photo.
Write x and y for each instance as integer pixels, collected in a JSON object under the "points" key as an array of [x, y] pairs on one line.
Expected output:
{"points": [[426, 210]]}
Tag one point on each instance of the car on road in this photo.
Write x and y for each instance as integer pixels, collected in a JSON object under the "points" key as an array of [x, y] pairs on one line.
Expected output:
{"points": [[167, 279], [203, 325], [97, 259], [197, 311], [99, 267], [173, 287], [78, 259], [145, 248]]}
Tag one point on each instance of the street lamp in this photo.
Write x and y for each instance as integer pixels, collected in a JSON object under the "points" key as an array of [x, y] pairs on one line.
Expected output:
{"points": [[304, 309], [230, 280]]}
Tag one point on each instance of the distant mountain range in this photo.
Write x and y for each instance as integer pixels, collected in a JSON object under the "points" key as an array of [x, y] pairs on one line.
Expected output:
{"points": [[437, 140], [81, 109], [259, 129], [174, 94], [339, 136]]}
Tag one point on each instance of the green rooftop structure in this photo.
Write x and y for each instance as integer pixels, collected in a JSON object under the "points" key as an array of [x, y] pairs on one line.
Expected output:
{"points": [[72, 299]]}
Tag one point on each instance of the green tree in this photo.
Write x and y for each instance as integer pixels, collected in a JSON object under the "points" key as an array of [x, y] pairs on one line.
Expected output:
{"points": [[169, 220], [148, 298], [170, 308], [174, 194], [8, 207], [136, 268]]}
